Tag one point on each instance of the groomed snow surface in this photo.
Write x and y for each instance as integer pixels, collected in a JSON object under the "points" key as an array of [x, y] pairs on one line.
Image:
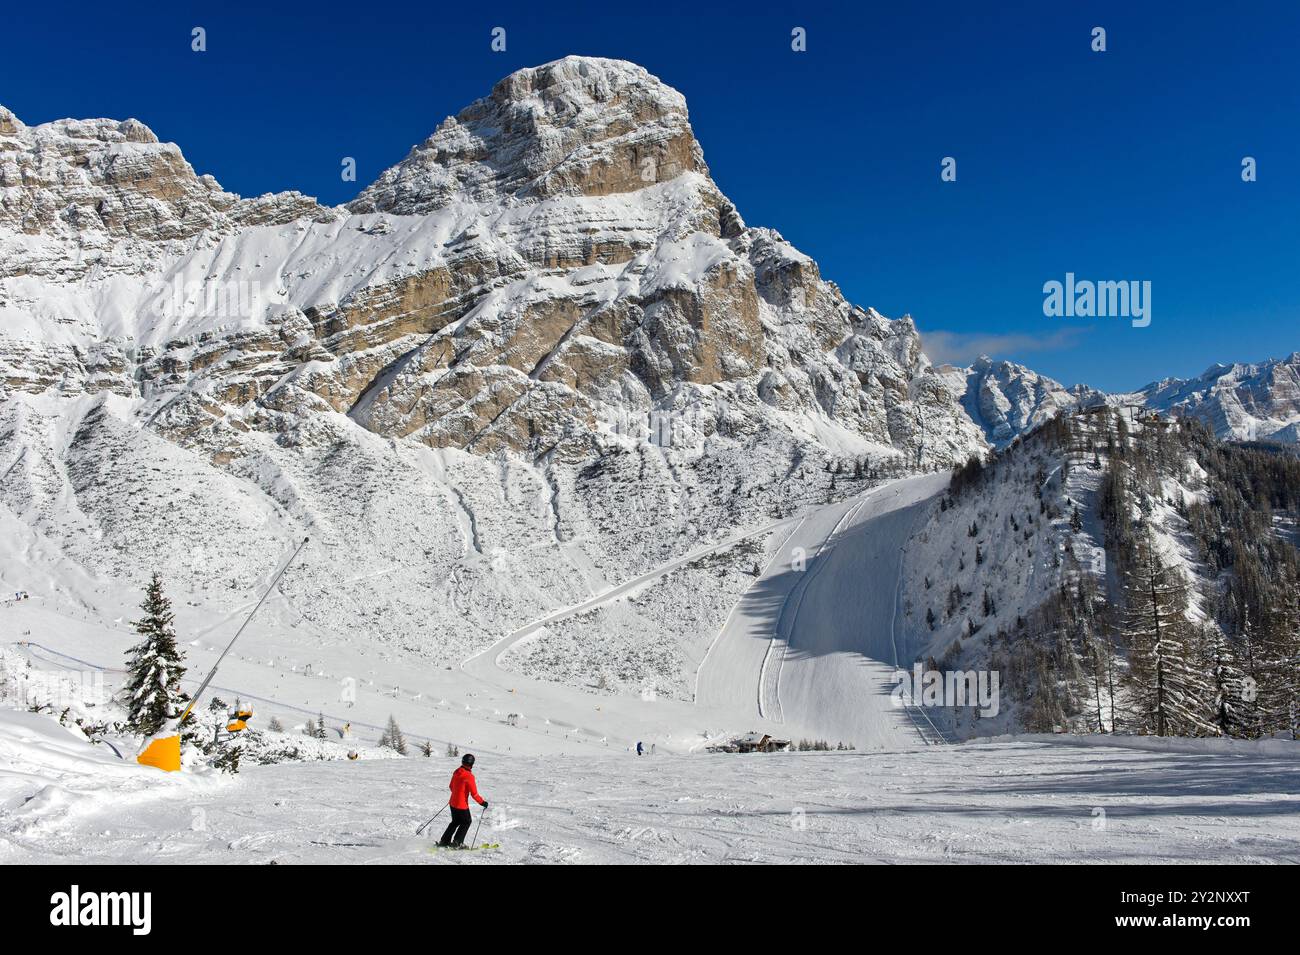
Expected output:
{"points": [[803, 653], [1032, 801]]}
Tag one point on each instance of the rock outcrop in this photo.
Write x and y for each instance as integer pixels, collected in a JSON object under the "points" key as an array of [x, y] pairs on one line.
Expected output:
{"points": [[553, 271], [1246, 402], [1006, 399], [105, 193]]}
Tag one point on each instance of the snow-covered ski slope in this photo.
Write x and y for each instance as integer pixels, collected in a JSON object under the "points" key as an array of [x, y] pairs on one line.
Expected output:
{"points": [[812, 645], [564, 782], [1019, 801], [294, 672]]}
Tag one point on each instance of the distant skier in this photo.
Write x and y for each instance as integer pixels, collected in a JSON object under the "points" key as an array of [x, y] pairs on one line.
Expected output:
{"points": [[462, 786], [638, 748]]}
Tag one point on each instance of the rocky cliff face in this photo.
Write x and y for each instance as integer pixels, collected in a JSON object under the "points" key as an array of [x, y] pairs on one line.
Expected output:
{"points": [[538, 356], [552, 270], [1006, 399], [80, 194], [575, 127], [1246, 402]]}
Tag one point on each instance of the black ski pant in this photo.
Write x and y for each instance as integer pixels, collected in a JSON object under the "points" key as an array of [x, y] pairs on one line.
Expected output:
{"points": [[455, 834]]}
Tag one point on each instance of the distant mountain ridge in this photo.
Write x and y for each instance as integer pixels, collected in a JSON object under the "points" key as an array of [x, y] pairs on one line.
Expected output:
{"points": [[1259, 401]]}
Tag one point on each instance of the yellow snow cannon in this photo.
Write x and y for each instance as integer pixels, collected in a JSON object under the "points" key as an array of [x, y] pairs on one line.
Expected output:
{"points": [[163, 749], [239, 718]]}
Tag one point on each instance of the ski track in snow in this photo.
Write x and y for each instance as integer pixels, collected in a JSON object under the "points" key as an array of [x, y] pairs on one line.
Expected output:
{"points": [[992, 803], [813, 650], [565, 787]]}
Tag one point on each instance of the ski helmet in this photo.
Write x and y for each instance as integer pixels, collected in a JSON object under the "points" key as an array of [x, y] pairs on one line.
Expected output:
{"points": [[467, 760]]}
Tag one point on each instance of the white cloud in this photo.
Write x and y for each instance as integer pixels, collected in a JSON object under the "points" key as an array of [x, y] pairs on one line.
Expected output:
{"points": [[961, 348]]}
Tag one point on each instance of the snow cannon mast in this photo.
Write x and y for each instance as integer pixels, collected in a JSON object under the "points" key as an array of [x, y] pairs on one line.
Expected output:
{"points": [[163, 749]]}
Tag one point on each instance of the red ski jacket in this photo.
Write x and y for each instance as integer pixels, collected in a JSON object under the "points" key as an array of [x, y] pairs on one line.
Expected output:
{"points": [[462, 785]]}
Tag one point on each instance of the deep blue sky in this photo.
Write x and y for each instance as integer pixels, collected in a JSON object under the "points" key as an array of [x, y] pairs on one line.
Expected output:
{"points": [[1120, 165]]}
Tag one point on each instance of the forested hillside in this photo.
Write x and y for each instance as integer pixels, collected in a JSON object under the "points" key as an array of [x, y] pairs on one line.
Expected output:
{"points": [[1122, 572]]}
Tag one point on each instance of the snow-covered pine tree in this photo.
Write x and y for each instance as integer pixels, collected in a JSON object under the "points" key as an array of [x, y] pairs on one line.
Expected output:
{"points": [[1101, 652], [1290, 660], [1095, 652], [392, 737], [320, 726], [1252, 661], [275, 726], [227, 758], [1229, 711], [1279, 688], [1170, 694], [153, 685]]}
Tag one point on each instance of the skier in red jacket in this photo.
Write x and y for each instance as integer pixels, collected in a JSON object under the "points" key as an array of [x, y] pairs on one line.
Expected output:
{"points": [[462, 786]]}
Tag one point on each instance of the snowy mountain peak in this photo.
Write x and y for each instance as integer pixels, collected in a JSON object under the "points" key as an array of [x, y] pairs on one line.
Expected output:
{"points": [[73, 175], [1256, 401], [579, 126], [10, 125], [1007, 399], [78, 193], [552, 270]]}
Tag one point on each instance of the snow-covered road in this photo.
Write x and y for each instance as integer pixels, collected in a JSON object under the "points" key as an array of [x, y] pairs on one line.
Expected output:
{"points": [[1030, 801]]}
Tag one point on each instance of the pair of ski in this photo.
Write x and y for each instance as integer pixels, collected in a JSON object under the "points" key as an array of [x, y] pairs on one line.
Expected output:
{"points": [[461, 848], [485, 845]]}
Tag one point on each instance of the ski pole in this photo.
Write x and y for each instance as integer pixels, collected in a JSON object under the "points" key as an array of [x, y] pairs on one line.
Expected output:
{"points": [[430, 822], [477, 828]]}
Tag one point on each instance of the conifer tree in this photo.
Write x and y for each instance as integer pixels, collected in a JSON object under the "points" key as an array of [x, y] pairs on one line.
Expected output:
{"points": [[153, 686], [1279, 685], [392, 737], [1230, 716], [1169, 690]]}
